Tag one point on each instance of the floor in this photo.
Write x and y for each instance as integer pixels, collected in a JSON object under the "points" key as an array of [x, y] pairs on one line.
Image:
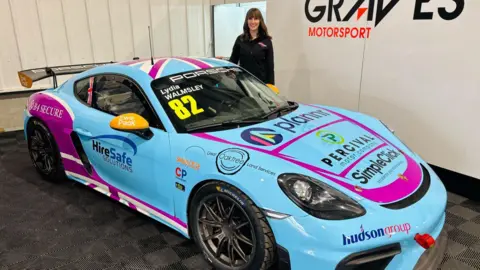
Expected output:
{"points": [[69, 226]]}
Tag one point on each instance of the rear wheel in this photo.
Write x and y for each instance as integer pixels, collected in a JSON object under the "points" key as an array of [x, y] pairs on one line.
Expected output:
{"points": [[44, 151], [230, 230]]}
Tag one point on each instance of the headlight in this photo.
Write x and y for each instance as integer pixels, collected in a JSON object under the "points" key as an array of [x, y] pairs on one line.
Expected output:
{"points": [[319, 199]]}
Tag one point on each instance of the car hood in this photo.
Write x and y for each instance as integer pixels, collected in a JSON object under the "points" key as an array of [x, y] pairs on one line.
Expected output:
{"points": [[334, 147]]}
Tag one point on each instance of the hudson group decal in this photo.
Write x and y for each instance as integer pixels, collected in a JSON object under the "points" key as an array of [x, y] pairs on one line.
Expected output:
{"points": [[376, 11], [262, 136], [366, 235], [114, 156]]}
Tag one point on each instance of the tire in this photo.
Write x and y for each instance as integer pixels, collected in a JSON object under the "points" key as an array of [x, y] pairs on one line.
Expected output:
{"points": [[260, 255], [43, 151]]}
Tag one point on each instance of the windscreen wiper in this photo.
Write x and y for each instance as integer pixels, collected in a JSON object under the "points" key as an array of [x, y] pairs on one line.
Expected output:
{"points": [[234, 122], [281, 109]]}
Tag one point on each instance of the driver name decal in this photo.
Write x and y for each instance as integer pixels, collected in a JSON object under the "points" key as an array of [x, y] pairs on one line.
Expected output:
{"points": [[175, 91]]}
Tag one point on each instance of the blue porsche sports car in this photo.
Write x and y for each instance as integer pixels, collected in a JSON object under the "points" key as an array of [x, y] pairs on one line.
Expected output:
{"points": [[255, 180]]}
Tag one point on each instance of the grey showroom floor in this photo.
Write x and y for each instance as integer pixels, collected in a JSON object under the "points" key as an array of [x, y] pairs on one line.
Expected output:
{"points": [[68, 226]]}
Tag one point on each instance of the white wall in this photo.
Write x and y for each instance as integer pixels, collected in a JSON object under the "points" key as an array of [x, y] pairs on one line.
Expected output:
{"points": [[38, 33], [422, 77], [228, 24]]}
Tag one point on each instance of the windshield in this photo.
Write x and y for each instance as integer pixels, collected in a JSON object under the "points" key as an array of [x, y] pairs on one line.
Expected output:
{"points": [[211, 97]]}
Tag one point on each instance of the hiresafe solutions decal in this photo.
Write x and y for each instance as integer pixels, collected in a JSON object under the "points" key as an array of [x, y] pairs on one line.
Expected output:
{"points": [[327, 16]]}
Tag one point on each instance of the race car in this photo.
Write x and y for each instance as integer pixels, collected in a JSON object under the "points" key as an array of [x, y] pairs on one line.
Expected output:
{"points": [[256, 180]]}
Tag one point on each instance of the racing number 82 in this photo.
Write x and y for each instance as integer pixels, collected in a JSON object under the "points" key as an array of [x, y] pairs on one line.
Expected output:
{"points": [[178, 106]]}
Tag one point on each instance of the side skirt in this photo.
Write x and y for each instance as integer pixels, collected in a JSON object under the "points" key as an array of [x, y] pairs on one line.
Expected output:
{"points": [[128, 201]]}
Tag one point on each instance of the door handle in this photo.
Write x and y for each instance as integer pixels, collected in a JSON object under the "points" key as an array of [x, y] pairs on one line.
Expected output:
{"points": [[83, 132]]}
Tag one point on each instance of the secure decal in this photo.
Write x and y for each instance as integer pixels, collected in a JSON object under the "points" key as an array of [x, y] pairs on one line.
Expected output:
{"points": [[231, 161], [262, 136], [344, 12], [366, 235], [45, 109]]}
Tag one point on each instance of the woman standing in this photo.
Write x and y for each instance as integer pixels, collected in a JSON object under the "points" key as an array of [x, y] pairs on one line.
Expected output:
{"points": [[254, 49]]}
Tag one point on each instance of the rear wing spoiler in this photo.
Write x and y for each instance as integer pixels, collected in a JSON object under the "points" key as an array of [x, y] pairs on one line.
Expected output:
{"points": [[29, 76]]}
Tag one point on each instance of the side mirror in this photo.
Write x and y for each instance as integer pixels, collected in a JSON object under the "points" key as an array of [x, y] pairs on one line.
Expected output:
{"points": [[133, 123], [273, 88]]}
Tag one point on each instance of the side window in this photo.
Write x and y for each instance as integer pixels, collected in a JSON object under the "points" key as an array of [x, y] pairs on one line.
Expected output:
{"points": [[81, 90], [117, 95]]}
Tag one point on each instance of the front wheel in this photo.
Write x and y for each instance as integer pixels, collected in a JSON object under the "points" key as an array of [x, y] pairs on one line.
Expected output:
{"points": [[230, 230]]}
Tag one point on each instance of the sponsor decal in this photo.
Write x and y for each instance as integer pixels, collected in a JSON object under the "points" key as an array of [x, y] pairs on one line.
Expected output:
{"points": [[403, 177], [262, 136], [194, 74], [377, 166], [179, 186], [113, 156], [375, 233], [260, 168], [45, 109], [231, 161], [343, 12], [231, 193], [189, 163], [348, 152], [180, 173], [330, 137], [293, 123], [211, 154]]}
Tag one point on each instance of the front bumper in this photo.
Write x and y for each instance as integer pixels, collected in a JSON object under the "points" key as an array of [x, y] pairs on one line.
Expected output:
{"points": [[363, 243]]}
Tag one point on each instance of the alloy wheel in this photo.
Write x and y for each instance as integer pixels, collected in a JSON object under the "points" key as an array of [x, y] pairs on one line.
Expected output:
{"points": [[226, 231], [41, 152]]}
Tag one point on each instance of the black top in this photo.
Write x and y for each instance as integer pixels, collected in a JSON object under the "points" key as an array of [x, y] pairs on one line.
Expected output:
{"points": [[256, 56]]}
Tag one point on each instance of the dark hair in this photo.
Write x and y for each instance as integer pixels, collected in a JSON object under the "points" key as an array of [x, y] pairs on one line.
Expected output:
{"points": [[262, 28]]}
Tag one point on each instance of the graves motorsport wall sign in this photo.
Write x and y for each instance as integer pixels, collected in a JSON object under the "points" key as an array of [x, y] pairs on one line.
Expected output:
{"points": [[375, 10]]}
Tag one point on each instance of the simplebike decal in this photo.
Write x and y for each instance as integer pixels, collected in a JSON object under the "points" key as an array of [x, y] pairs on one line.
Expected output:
{"points": [[189, 163], [375, 10], [262, 136], [292, 124], [231, 161], [366, 235]]}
